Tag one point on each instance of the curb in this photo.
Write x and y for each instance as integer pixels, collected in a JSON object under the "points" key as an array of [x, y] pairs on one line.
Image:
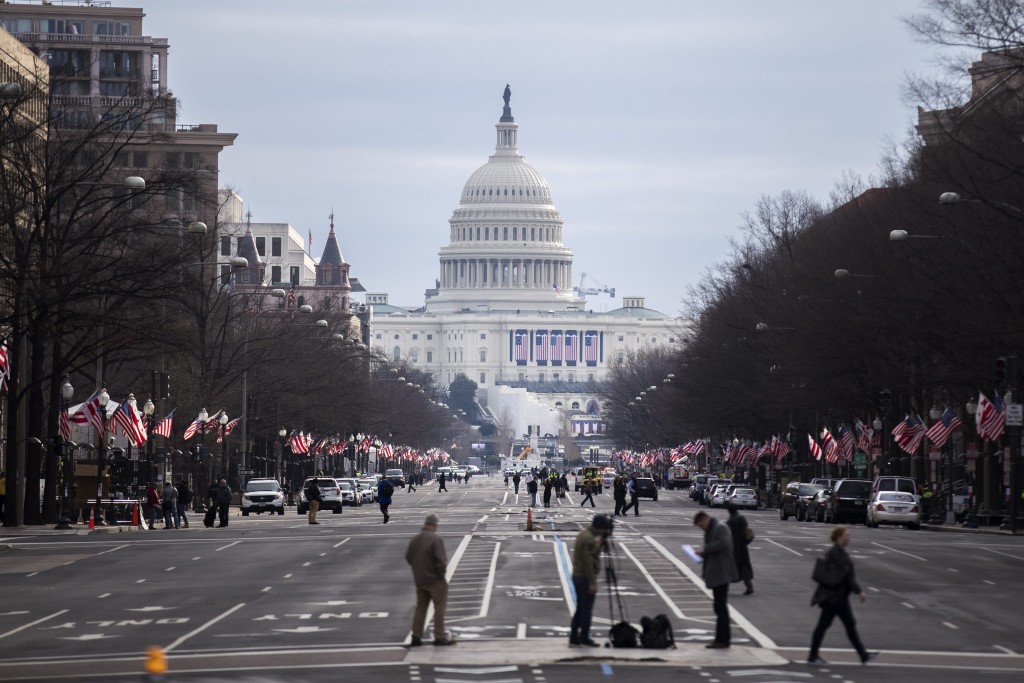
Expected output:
{"points": [[964, 530]]}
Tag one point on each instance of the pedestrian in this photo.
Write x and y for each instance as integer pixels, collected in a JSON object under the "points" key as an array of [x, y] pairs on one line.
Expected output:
{"points": [[619, 493], [411, 481], [506, 479], [563, 485], [211, 508], [223, 502], [468, 475], [184, 498], [313, 497], [515, 482], [719, 570], [170, 505], [548, 483], [588, 493], [429, 561], [3, 493], [835, 600], [741, 538], [385, 489], [152, 504], [634, 498], [531, 488], [586, 568], [440, 483]]}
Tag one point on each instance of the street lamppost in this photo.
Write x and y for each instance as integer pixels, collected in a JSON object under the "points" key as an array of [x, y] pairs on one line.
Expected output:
{"points": [[878, 426], [148, 410], [225, 468], [67, 392], [935, 413], [971, 407], [101, 456], [282, 433], [207, 472]]}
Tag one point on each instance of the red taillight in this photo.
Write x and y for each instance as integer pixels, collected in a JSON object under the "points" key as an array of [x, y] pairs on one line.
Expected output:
{"points": [[915, 509], [835, 499], [880, 507]]}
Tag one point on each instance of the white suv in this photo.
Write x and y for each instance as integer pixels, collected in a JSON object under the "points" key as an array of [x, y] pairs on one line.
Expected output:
{"points": [[262, 495], [330, 495]]}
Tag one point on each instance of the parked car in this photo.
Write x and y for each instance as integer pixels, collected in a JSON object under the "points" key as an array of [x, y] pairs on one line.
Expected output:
{"points": [[827, 483], [396, 477], [894, 507], [645, 488], [368, 487], [795, 497], [905, 484], [330, 495], [350, 494], [816, 506], [714, 485], [697, 487], [718, 495], [262, 495], [743, 497], [849, 501]]}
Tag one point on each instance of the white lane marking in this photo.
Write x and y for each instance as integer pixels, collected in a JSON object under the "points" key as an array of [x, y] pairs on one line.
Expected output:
{"points": [[953, 570], [876, 590], [991, 583], [110, 551], [741, 621], [487, 670], [564, 567], [205, 626], [322, 554], [170, 569], [521, 632], [482, 519], [265, 590], [1016, 557], [952, 626], [1004, 649], [31, 624], [490, 580], [653, 582], [306, 564], [916, 557], [227, 546], [784, 547], [105, 595], [341, 542], [908, 605], [141, 581], [287, 576], [32, 574], [194, 559]]}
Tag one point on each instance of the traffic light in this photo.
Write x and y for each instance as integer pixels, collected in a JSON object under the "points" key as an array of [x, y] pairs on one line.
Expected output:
{"points": [[1001, 372], [165, 386]]}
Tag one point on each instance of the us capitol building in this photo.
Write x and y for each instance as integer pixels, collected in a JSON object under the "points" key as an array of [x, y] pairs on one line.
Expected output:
{"points": [[504, 312]]}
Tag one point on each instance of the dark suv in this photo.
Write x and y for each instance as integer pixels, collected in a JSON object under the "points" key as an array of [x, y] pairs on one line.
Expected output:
{"points": [[849, 501], [795, 498]]}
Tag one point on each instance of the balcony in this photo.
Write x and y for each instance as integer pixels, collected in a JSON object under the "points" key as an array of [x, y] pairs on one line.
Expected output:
{"points": [[553, 387]]}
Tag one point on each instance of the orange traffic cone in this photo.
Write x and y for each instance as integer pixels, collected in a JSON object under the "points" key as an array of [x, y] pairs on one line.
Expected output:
{"points": [[156, 664], [529, 519], [92, 520], [135, 515]]}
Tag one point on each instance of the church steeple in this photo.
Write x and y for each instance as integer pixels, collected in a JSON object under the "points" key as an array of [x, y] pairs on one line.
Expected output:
{"points": [[247, 250], [332, 271], [332, 252]]}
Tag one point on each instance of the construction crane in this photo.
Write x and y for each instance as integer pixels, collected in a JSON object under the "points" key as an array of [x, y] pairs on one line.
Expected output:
{"points": [[583, 292]]}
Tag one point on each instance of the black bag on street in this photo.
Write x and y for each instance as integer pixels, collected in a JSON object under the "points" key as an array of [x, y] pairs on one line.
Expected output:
{"points": [[623, 634], [211, 514], [657, 633], [827, 574]]}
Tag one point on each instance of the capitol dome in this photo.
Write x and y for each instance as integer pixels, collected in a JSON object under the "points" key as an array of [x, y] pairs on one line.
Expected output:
{"points": [[505, 247]]}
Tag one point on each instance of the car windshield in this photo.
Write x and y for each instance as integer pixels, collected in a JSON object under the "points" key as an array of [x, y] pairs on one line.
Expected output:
{"points": [[855, 489], [897, 497], [810, 489], [394, 473], [324, 483], [744, 492], [345, 486], [261, 486]]}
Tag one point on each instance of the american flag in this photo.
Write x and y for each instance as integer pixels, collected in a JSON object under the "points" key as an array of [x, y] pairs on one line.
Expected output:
{"points": [[299, 443], [163, 427], [228, 428], [832, 451], [556, 347], [3, 364], [780, 447], [700, 447], [95, 413], [540, 346], [590, 348], [939, 432], [845, 442], [864, 435], [521, 353], [909, 434], [571, 347], [815, 448], [991, 417], [194, 427], [127, 418], [63, 422], [387, 451]]}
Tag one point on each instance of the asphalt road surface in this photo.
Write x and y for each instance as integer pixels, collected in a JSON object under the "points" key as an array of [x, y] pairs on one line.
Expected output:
{"points": [[271, 598]]}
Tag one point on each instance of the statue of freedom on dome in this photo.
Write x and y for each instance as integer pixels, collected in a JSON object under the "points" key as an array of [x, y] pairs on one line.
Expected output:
{"points": [[507, 94]]}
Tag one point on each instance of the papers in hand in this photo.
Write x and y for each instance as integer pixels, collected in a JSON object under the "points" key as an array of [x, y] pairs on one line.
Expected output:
{"points": [[692, 554]]}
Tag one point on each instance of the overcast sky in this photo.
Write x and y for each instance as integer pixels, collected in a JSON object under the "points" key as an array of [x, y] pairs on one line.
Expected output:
{"points": [[656, 124]]}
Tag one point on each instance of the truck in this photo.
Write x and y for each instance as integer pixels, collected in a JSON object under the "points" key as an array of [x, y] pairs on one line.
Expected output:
{"points": [[678, 476]]}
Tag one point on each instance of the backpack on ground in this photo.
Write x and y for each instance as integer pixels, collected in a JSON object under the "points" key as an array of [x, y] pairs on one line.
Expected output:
{"points": [[387, 489], [657, 633]]}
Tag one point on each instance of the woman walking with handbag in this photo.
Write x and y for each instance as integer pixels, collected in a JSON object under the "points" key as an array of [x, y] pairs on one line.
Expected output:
{"points": [[836, 581]]}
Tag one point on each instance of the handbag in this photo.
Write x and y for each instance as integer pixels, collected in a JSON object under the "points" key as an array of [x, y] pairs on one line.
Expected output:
{"points": [[623, 634], [749, 534], [827, 574]]}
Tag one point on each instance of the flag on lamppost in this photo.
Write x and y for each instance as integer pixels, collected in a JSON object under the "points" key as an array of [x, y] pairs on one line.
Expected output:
{"points": [[909, 434], [227, 429], [64, 422], [991, 417], [939, 432], [193, 427], [127, 418], [163, 427], [815, 448]]}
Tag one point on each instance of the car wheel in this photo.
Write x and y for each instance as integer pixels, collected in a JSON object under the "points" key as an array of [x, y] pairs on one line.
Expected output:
{"points": [[336, 511], [245, 513], [655, 499], [280, 511], [801, 514], [782, 513], [914, 527]]}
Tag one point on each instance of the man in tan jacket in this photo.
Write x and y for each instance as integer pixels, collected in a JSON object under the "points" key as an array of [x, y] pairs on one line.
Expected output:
{"points": [[429, 562], [586, 567]]}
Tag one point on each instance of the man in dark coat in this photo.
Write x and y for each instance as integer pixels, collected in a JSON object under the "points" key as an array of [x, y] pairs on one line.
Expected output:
{"points": [[515, 482], [719, 571], [223, 502], [740, 552], [440, 483], [548, 483], [619, 493], [531, 488]]}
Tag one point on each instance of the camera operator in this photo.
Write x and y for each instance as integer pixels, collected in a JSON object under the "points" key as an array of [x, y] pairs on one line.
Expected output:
{"points": [[586, 567]]}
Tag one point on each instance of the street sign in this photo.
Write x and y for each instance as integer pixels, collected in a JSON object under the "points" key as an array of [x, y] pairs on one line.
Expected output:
{"points": [[1015, 414], [241, 471]]}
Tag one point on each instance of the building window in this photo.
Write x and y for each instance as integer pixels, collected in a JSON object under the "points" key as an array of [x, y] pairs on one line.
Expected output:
{"points": [[483, 355], [429, 337], [379, 336], [261, 246], [590, 377], [111, 28], [275, 273], [522, 376], [430, 356], [397, 337], [483, 335], [622, 338], [293, 276], [275, 246], [396, 354], [414, 356], [540, 377], [225, 246], [483, 378], [575, 405], [505, 233], [415, 336], [572, 377], [556, 376]]}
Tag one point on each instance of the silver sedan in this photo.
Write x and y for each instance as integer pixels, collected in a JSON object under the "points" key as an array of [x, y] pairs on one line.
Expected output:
{"points": [[894, 507], [742, 498]]}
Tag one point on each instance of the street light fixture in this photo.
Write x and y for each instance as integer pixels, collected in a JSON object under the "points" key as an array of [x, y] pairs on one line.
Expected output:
{"points": [[225, 469], [901, 235], [971, 407], [149, 410], [101, 456], [67, 392]]}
